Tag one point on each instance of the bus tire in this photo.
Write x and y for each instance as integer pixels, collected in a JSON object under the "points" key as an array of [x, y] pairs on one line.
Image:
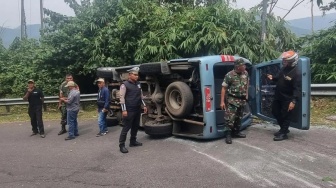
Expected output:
{"points": [[165, 129], [111, 121], [105, 72], [150, 68], [179, 99]]}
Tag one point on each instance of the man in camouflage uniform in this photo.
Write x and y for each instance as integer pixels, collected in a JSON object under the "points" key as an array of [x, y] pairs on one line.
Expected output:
{"points": [[63, 92], [235, 88]]}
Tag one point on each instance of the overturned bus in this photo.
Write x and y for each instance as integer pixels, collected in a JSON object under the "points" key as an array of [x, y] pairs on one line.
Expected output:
{"points": [[183, 95]]}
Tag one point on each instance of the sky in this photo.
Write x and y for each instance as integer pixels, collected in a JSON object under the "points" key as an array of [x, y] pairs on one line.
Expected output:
{"points": [[10, 10]]}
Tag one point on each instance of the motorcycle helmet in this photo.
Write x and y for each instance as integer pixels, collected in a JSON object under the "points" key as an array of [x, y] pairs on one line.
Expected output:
{"points": [[291, 57]]}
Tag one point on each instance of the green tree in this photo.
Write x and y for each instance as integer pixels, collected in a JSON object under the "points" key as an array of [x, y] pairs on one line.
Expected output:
{"points": [[321, 49], [211, 30], [19, 65]]}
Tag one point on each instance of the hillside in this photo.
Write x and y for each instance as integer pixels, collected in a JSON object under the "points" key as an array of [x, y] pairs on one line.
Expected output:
{"points": [[8, 35], [300, 27]]}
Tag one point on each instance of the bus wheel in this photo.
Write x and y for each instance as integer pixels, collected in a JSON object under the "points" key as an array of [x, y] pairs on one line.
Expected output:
{"points": [[111, 121], [150, 68], [105, 72], [164, 129], [179, 99]]}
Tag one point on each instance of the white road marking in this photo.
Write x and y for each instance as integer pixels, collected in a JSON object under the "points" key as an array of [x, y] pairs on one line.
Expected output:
{"points": [[298, 179], [269, 182], [248, 145], [233, 169]]}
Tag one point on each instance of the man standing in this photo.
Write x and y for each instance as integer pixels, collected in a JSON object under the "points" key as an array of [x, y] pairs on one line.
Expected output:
{"points": [[63, 92], [287, 93], [35, 98], [103, 104], [72, 107], [236, 84], [131, 100]]}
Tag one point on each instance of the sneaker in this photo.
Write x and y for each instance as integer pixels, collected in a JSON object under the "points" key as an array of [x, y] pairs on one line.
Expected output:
{"points": [[100, 134], [42, 136], [106, 132]]}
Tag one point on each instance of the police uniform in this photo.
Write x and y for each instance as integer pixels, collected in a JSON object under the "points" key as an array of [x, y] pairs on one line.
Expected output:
{"points": [[237, 85], [130, 100]]}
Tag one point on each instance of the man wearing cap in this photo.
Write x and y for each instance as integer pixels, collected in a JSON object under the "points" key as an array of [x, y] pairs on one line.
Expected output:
{"points": [[72, 106], [103, 103], [63, 92], [131, 99], [35, 98], [235, 88]]}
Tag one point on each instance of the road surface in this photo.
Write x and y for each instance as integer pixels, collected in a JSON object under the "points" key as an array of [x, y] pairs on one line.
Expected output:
{"points": [[307, 159]]}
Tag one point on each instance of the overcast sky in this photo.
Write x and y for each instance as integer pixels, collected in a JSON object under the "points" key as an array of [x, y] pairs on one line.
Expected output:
{"points": [[10, 10]]}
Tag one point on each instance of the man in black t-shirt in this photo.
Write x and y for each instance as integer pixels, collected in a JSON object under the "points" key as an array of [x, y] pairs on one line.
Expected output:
{"points": [[35, 98]]}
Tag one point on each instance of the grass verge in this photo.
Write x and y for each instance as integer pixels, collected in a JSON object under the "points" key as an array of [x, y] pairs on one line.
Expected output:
{"points": [[19, 113], [321, 108]]}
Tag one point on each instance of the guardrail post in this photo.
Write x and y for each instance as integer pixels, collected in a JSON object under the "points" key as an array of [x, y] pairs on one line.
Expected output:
{"points": [[8, 109], [45, 107], [83, 106]]}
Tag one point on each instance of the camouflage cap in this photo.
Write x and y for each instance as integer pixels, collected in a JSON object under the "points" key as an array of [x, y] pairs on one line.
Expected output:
{"points": [[239, 61]]}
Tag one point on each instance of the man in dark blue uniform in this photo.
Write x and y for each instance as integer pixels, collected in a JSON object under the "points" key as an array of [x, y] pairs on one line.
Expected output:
{"points": [[131, 100], [103, 104], [287, 93], [35, 98]]}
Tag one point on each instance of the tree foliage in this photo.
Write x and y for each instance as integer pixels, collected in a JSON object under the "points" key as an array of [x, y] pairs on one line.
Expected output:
{"points": [[321, 49], [124, 32], [329, 6]]}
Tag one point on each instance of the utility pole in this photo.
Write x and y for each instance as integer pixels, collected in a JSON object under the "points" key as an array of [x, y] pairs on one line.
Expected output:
{"points": [[42, 13], [312, 16], [23, 21], [263, 20]]}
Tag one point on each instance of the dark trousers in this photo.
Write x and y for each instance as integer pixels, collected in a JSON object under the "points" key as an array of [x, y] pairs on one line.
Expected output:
{"points": [[35, 114], [281, 114], [132, 121]]}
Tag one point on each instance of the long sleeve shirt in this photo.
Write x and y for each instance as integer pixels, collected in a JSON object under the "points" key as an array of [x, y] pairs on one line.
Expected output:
{"points": [[288, 84]]}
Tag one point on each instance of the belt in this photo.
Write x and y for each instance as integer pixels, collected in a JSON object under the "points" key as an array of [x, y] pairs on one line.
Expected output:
{"points": [[241, 97]]}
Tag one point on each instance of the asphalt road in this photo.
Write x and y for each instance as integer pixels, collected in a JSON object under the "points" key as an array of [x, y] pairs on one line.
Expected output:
{"points": [[307, 159]]}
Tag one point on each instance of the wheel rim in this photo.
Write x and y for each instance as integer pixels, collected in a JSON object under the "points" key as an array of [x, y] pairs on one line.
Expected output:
{"points": [[175, 99]]}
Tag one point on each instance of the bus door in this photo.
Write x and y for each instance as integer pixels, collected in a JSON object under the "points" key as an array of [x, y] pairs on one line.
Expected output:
{"points": [[262, 96]]}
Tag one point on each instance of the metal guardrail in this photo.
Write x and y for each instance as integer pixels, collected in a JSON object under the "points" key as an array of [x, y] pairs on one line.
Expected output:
{"points": [[323, 89], [316, 90], [47, 100]]}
